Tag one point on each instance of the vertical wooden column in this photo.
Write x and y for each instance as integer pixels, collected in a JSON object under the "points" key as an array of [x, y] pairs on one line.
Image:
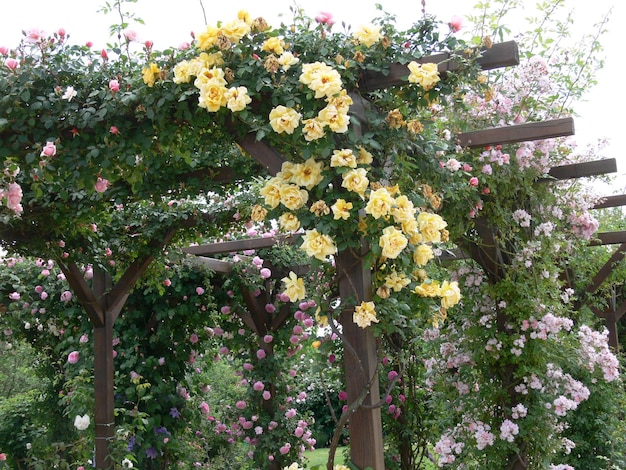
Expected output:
{"points": [[103, 373], [366, 434]]}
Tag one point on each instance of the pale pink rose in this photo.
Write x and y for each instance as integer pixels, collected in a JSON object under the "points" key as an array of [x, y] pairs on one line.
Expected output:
{"points": [[49, 150], [265, 273], [114, 85], [193, 339], [130, 35], [11, 63], [204, 408], [325, 17], [473, 181], [66, 296], [114, 130], [456, 23], [94, 228], [14, 198], [260, 354], [73, 357], [167, 283], [61, 32], [240, 405], [183, 46], [101, 185], [83, 339], [14, 296], [34, 35], [4, 50], [199, 290]]}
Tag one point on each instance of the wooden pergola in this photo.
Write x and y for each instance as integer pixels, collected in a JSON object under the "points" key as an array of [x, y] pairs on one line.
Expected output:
{"points": [[104, 301]]}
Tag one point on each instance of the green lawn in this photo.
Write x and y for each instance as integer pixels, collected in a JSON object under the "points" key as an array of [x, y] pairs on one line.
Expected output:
{"points": [[320, 457]]}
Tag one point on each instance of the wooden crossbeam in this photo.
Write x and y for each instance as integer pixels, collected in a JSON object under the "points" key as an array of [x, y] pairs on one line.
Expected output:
{"points": [[609, 238], [580, 170], [611, 201], [518, 133], [607, 269], [238, 245], [499, 55], [262, 153]]}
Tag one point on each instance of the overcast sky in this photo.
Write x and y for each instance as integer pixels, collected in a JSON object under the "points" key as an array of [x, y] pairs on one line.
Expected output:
{"points": [[170, 22]]}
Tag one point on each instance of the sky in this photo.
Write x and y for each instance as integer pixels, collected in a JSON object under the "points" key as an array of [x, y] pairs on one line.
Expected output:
{"points": [[170, 22]]}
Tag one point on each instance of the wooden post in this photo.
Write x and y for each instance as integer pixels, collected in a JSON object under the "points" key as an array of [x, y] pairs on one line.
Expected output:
{"points": [[103, 373], [366, 434]]}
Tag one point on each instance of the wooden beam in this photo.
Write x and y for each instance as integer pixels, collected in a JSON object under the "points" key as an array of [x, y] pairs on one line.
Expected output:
{"points": [[499, 55], [607, 269], [239, 245], [608, 238], [581, 170], [611, 201], [518, 133], [216, 265], [262, 153]]}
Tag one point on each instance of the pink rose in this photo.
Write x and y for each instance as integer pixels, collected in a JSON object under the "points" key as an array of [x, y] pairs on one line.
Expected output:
{"points": [[88, 44], [114, 130], [4, 50], [61, 32], [14, 296], [199, 290], [204, 408], [3, 457], [66, 296], [83, 339], [324, 17], [167, 283], [130, 35], [183, 46], [114, 85], [73, 357], [148, 44], [473, 181], [193, 339], [14, 198], [456, 22], [104, 54], [49, 150], [101, 185]]}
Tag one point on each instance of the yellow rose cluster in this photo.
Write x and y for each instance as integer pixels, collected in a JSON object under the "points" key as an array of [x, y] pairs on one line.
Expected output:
{"points": [[426, 75], [448, 292]]}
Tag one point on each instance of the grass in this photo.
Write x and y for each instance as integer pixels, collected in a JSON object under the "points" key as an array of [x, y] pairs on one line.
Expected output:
{"points": [[320, 457]]}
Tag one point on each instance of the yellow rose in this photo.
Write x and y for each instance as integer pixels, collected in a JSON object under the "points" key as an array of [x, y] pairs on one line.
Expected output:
{"points": [[342, 101], [335, 119], [294, 287], [356, 181], [210, 76], [403, 210], [313, 129], [430, 226], [235, 30], [343, 157], [426, 75], [212, 97], [287, 170], [292, 197], [423, 254], [181, 72], [274, 44], [367, 35], [207, 38], [365, 314], [237, 98], [287, 59], [392, 241], [271, 192], [318, 245], [364, 157], [321, 78], [379, 204], [320, 208], [308, 174], [289, 222], [258, 213], [341, 209], [396, 281], [428, 289], [244, 16], [150, 73], [283, 119], [450, 294]]}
